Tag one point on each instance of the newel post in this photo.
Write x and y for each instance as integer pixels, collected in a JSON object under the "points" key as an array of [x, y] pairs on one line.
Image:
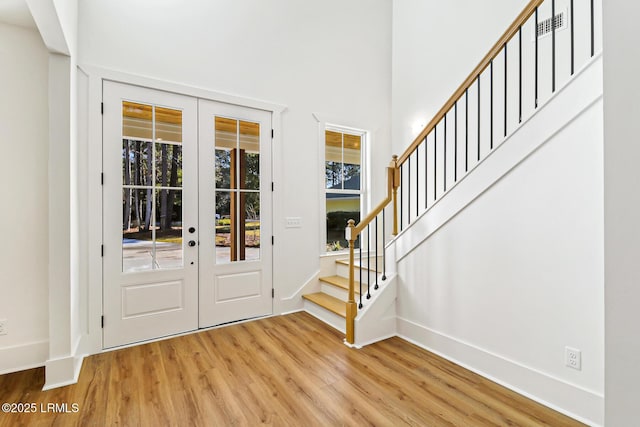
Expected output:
{"points": [[352, 308], [394, 185]]}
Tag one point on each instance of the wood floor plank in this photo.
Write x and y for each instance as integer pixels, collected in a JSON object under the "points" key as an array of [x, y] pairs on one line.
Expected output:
{"points": [[280, 371]]}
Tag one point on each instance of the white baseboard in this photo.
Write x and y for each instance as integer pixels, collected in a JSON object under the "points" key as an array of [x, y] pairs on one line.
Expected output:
{"points": [[374, 340], [584, 405], [24, 356], [63, 371]]}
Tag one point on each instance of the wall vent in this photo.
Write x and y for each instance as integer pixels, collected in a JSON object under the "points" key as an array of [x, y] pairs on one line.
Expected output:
{"points": [[560, 22]]}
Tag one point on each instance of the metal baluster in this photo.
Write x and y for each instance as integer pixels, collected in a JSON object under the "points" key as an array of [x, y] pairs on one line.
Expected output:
{"points": [[593, 39], [520, 75], [445, 154], [384, 249], [375, 285], [505, 90], [553, 46], [435, 162], [573, 59], [426, 175], [368, 261], [409, 190], [417, 181], [466, 130], [478, 153], [536, 71], [455, 142], [360, 245], [491, 104]]}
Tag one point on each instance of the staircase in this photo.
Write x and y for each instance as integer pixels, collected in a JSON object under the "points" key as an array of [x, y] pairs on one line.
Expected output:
{"points": [[455, 143], [329, 304], [375, 297]]}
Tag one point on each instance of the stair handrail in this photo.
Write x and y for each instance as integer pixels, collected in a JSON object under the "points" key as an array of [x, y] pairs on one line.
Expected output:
{"points": [[393, 171], [353, 231], [468, 82]]}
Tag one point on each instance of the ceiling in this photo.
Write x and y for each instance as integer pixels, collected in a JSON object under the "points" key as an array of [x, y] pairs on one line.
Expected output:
{"points": [[16, 12]]}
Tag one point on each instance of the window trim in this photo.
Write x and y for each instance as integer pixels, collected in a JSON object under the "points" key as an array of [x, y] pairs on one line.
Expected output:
{"points": [[363, 192]]}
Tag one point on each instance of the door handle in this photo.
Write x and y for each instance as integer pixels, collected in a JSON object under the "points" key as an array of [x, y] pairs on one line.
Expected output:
{"points": [[192, 243]]}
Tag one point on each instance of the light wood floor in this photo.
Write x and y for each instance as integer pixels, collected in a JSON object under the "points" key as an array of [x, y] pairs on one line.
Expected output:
{"points": [[285, 370]]}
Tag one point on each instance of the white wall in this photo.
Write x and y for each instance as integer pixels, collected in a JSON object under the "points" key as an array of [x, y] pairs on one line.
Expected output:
{"points": [[332, 59], [515, 273], [622, 212], [24, 215], [436, 44]]}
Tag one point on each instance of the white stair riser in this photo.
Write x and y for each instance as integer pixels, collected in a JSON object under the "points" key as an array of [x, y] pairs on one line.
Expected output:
{"points": [[334, 291], [365, 262], [343, 294], [343, 271], [325, 315]]}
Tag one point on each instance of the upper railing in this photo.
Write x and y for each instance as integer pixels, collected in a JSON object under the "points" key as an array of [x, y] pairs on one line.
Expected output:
{"points": [[539, 52]]}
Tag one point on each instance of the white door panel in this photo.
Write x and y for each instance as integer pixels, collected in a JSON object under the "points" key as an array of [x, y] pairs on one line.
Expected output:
{"points": [[187, 214], [235, 213], [150, 199]]}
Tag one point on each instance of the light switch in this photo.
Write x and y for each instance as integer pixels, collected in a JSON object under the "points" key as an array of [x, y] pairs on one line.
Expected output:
{"points": [[293, 222]]}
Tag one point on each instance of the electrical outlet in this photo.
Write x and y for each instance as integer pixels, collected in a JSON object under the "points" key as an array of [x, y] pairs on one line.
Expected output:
{"points": [[3, 326], [573, 358]]}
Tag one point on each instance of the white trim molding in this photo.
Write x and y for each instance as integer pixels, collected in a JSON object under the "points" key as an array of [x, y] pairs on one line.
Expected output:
{"points": [[567, 398], [23, 356], [63, 371], [93, 77]]}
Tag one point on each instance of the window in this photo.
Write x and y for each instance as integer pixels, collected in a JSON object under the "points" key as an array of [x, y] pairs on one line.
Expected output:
{"points": [[343, 183]]}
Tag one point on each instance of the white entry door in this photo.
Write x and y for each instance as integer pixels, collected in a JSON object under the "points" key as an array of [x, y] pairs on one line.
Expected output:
{"points": [[150, 199], [187, 214], [235, 213]]}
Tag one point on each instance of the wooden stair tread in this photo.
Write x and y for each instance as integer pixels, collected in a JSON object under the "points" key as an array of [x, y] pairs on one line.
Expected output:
{"points": [[332, 304], [340, 282]]}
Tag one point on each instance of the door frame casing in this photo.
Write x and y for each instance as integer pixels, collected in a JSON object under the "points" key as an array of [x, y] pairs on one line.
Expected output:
{"points": [[90, 299]]}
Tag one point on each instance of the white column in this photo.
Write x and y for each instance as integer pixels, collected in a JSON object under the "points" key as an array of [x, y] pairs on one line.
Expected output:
{"points": [[622, 211]]}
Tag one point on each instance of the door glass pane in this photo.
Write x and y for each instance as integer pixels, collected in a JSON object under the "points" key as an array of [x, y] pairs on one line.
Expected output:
{"points": [[168, 125], [137, 236], [223, 227], [252, 226], [137, 121], [168, 165], [249, 168], [226, 139], [168, 229], [136, 171], [252, 171], [223, 168]]}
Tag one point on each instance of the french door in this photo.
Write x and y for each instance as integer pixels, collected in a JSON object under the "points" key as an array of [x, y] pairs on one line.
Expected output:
{"points": [[235, 206], [185, 214]]}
